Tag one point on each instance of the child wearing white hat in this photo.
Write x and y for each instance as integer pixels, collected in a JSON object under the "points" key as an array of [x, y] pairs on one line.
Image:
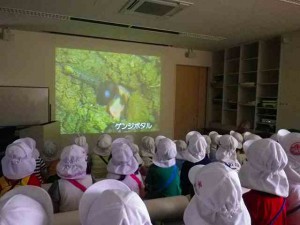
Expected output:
{"points": [[51, 158], [40, 170], [102, 151], [195, 155], [135, 149], [226, 152], [80, 140], [26, 205], [123, 166], [208, 142], [241, 156], [18, 166], [66, 192], [163, 176], [214, 136], [147, 150], [263, 173], [218, 197], [111, 202], [250, 136], [291, 144]]}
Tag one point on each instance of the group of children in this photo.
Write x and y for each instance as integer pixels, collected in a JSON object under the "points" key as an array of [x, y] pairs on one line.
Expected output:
{"points": [[237, 179]]}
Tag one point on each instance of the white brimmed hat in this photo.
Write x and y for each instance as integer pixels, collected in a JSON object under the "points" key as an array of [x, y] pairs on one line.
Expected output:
{"points": [[123, 161], [165, 153], [147, 147], [218, 197], [26, 205], [181, 148], [196, 147], [72, 164], [249, 136], [189, 135], [215, 137], [103, 145], [291, 145], [18, 161], [158, 138], [238, 137], [112, 202], [50, 151], [31, 143], [264, 169], [81, 141]]}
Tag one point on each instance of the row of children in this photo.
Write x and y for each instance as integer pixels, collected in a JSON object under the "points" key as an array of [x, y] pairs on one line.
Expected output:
{"points": [[218, 193]]}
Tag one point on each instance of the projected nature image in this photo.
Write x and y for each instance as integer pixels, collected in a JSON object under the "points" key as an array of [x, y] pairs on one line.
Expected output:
{"points": [[106, 92]]}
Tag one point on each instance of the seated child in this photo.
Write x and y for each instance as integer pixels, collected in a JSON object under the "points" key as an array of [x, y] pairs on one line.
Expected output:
{"points": [[181, 149], [214, 136], [263, 173], [100, 157], [135, 149], [241, 156], [163, 179], [40, 170], [18, 166], [291, 144], [111, 202], [147, 150], [226, 152], [208, 142], [195, 155], [124, 167], [66, 192], [218, 197], [51, 158], [28, 205], [81, 141]]}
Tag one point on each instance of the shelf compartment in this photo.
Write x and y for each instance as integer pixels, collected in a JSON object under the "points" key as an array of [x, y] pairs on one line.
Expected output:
{"points": [[270, 54], [233, 53], [250, 51], [271, 76]]}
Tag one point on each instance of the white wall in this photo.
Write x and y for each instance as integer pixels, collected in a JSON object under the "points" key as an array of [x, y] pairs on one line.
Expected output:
{"points": [[28, 60]]}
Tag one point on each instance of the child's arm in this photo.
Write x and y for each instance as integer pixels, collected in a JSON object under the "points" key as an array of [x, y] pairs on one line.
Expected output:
{"points": [[55, 196]]}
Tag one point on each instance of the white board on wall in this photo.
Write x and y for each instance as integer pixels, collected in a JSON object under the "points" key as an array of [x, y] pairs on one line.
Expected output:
{"points": [[23, 105]]}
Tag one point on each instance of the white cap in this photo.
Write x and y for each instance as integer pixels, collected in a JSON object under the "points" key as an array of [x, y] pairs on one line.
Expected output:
{"points": [[81, 141], [50, 151], [103, 145], [111, 202], [130, 138], [196, 147], [249, 136], [181, 148], [122, 161], [18, 161], [238, 137], [189, 135], [291, 145], [147, 147], [158, 138], [165, 154], [227, 151], [218, 197], [264, 169], [31, 143], [72, 164], [214, 136], [26, 205]]}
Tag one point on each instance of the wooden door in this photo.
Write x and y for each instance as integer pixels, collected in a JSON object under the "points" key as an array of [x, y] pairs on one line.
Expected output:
{"points": [[190, 100]]}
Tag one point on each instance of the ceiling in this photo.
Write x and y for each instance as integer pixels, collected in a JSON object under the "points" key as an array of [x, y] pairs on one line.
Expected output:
{"points": [[238, 21]]}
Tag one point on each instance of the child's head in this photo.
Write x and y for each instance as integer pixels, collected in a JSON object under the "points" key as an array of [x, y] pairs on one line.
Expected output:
{"points": [[249, 136], [111, 202], [72, 164], [81, 141], [31, 143], [26, 205], [122, 161], [218, 196], [165, 153], [18, 162], [291, 145], [130, 138], [214, 136], [103, 145], [50, 151], [238, 137], [196, 147], [181, 147], [147, 146], [264, 169], [208, 142]]}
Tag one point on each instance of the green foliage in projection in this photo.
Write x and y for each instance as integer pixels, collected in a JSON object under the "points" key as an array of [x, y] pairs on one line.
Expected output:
{"points": [[97, 90]]}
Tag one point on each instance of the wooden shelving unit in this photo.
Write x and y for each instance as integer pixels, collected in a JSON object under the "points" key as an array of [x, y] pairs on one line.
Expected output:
{"points": [[245, 85]]}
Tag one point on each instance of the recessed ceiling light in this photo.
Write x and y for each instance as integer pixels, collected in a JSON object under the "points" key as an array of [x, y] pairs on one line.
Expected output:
{"points": [[294, 2]]}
